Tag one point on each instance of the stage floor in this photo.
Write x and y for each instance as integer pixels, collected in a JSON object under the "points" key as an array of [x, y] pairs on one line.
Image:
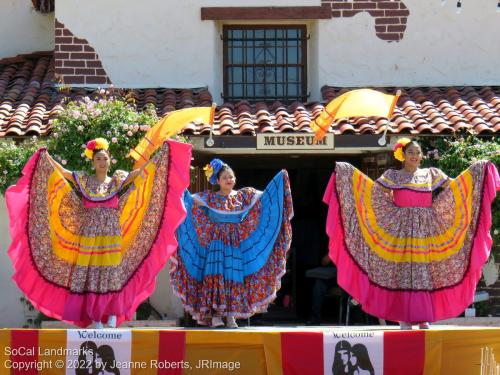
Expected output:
{"points": [[301, 350]]}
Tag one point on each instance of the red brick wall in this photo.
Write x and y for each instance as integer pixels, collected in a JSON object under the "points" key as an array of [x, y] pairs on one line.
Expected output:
{"points": [[76, 62], [390, 15]]}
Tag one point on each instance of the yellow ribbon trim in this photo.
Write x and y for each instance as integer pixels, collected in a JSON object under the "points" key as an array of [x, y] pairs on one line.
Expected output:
{"points": [[98, 250], [382, 242]]}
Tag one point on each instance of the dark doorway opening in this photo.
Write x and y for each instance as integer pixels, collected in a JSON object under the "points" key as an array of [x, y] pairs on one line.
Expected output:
{"points": [[309, 176]]}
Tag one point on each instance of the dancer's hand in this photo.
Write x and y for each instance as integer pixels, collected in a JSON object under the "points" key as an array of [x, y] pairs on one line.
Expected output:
{"points": [[132, 175], [67, 174]]}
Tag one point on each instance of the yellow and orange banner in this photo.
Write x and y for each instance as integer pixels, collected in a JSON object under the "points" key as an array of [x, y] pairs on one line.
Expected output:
{"points": [[354, 103], [167, 127], [292, 351]]}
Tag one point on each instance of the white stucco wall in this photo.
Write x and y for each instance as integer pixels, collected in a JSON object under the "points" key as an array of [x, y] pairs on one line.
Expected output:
{"points": [[163, 299], [164, 43], [440, 47], [11, 310], [155, 43], [23, 30]]}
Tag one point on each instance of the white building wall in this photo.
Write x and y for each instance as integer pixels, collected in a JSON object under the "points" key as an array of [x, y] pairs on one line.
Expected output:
{"points": [[11, 310], [23, 30], [163, 299], [164, 43], [439, 48], [155, 43]]}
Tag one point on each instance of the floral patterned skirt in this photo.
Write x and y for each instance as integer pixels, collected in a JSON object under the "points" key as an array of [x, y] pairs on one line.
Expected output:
{"points": [[81, 264], [411, 264], [238, 270]]}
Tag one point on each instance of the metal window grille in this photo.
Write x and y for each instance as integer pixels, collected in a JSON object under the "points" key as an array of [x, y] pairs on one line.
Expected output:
{"points": [[263, 63]]}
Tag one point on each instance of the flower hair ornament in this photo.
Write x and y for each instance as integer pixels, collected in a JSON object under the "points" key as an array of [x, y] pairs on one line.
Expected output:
{"points": [[398, 149], [212, 169], [94, 145]]}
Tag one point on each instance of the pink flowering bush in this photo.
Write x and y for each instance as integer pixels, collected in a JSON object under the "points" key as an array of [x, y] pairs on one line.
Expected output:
{"points": [[79, 122], [107, 117]]}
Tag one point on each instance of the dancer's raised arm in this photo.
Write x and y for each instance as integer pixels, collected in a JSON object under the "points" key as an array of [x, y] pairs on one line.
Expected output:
{"points": [[68, 175], [132, 175]]}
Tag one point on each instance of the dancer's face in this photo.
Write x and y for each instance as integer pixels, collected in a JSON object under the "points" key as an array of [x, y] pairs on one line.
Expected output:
{"points": [[227, 180], [101, 161], [413, 156]]}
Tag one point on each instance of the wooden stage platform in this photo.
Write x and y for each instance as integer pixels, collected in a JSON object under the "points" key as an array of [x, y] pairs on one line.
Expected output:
{"points": [[301, 350]]}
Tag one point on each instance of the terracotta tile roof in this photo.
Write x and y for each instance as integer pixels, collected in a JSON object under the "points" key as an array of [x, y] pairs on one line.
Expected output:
{"points": [[419, 110], [249, 119], [27, 94], [431, 110], [30, 99], [44, 6]]}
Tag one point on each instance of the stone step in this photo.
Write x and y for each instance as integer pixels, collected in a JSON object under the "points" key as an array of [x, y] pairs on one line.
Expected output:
{"points": [[473, 322]]}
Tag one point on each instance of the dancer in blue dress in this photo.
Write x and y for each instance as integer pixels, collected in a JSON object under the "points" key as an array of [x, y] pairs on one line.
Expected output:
{"points": [[232, 247]]}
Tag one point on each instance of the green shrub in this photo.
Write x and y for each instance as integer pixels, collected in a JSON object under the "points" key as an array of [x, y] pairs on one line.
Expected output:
{"points": [[110, 118], [13, 157], [454, 155], [77, 123]]}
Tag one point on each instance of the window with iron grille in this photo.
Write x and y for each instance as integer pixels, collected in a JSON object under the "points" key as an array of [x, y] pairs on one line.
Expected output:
{"points": [[264, 63]]}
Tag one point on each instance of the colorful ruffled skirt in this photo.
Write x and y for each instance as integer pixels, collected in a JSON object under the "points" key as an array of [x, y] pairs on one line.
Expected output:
{"points": [[230, 263], [411, 264], [81, 262]]}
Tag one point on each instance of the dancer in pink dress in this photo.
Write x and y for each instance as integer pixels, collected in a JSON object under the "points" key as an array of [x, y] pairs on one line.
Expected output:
{"points": [[409, 257], [90, 252]]}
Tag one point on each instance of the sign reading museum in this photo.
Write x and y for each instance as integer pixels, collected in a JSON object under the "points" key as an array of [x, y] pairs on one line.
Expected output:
{"points": [[293, 142]]}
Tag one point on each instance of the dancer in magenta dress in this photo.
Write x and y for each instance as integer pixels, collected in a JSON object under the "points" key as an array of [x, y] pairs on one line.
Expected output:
{"points": [[90, 251], [232, 248], [404, 255]]}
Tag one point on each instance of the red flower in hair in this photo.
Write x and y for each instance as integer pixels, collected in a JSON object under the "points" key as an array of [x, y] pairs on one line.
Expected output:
{"points": [[91, 144], [396, 146]]}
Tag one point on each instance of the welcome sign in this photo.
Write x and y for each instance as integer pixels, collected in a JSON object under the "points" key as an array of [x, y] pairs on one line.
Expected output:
{"points": [[297, 141], [105, 351], [348, 350], [353, 352]]}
